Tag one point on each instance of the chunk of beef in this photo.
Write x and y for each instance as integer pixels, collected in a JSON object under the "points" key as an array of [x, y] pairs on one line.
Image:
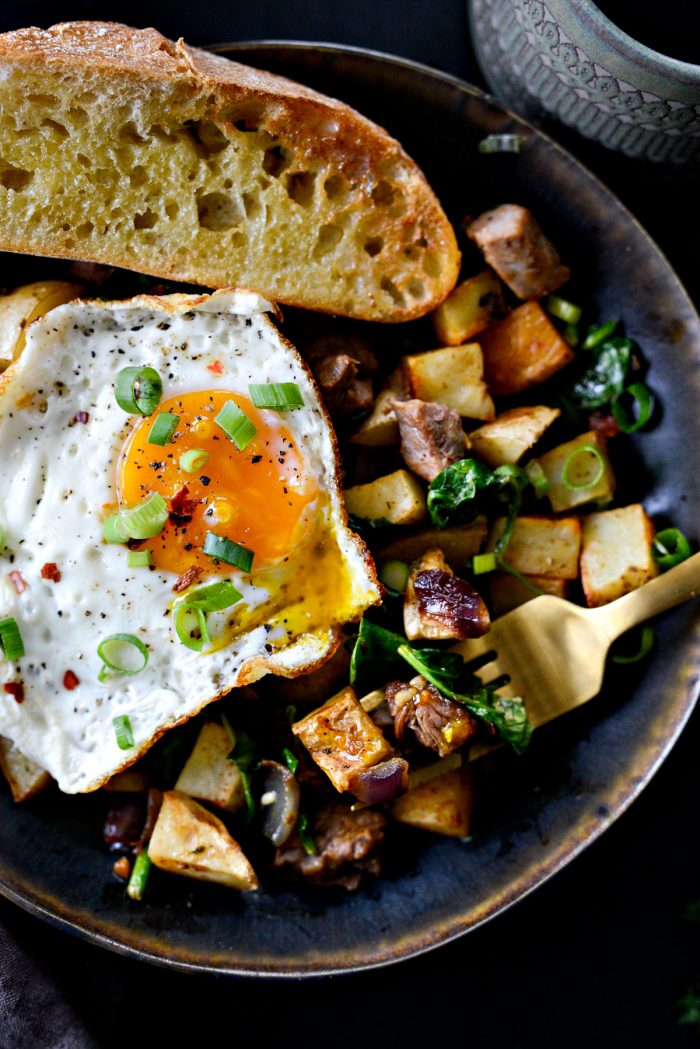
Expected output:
{"points": [[437, 723], [347, 845], [514, 245], [343, 366], [431, 436]]}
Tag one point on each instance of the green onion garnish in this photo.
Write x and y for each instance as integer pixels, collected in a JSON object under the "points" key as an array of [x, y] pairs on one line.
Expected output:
{"points": [[538, 479], [570, 335], [229, 552], [163, 428], [600, 334], [141, 522], [139, 876], [138, 390], [11, 639], [138, 559], [282, 396], [587, 481], [640, 410], [290, 759], [394, 574], [236, 425], [646, 643], [500, 144], [191, 626], [193, 460], [305, 834], [669, 548], [563, 310], [116, 655], [482, 563], [122, 730], [213, 598]]}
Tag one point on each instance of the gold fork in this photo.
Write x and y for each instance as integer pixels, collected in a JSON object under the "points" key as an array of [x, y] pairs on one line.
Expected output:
{"points": [[554, 651]]}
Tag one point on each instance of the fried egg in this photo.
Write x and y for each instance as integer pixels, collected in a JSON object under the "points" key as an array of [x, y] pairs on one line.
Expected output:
{"points": [[71, 457]]}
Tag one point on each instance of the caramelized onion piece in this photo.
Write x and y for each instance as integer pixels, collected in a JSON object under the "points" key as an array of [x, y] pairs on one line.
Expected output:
{"points": [[453, 601], [380, 782], [282, 811]]}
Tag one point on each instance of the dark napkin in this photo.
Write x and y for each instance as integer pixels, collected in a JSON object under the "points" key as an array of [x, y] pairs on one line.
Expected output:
{"points": [[33, 1014]]}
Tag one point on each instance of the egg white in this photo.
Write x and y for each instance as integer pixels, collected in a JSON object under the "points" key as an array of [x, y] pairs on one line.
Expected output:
{"points": [[56, 474]]}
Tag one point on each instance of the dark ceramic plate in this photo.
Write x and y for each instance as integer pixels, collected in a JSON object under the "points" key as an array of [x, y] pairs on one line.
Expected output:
{"points": [[581, 773]]}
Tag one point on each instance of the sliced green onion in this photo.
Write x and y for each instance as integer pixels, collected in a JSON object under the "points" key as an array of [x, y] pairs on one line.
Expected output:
{"points": [[577, 453], [538, 479], [11, 639], [570, 335], [482, 563], [600, 334], [282, 396], [138, 390], [669, 548], [500, 144], [236, 425], [141, 522], [640, 410], [562, 309], [646, 643], [213, 598], [305, 834], [505, 566], [114, 529], [139, 876], [193, 460], [138, 559], [191, 626], [163, 428], [290, 759], [228, 551], [122, 730], [112, 652], [394, 574]]}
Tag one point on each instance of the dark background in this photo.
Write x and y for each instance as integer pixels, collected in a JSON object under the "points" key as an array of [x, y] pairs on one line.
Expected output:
{"points": [[601, 955]]}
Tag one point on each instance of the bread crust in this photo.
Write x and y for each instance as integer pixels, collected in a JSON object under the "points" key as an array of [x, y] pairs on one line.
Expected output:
{"points": [[327, 134]]}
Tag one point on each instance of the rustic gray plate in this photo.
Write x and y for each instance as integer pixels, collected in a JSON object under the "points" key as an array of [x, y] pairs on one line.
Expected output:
{"points": [[536, 814]]}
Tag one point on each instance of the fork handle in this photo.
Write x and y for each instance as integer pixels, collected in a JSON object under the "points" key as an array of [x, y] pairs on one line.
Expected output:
{"points": [[673, 587]]}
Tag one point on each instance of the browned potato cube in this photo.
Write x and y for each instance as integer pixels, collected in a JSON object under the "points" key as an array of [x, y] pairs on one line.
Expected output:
{"points": [[521, 350], [469, 308], [24, 776], [442, 805], [396, 498], [458, 543], [508, 592], [453, 376], [616, 555], [208, 775], [341, 738], [513, 433], [188, 839], [543, 546], [583, 467], [381, 427]]}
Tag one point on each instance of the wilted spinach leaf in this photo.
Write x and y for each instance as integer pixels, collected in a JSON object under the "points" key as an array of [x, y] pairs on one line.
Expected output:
{"points": [[467, 488], [604, 378], [375, 658]]}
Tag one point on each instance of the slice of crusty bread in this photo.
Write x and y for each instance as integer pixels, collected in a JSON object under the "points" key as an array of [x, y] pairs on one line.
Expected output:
{"points": [[122, 147]]}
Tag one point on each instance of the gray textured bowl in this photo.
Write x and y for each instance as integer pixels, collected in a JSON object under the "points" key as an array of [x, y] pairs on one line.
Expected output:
{"points": [[565, 59], [534, 815]]}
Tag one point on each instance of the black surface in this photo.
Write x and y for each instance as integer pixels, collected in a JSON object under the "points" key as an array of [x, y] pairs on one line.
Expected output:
{"points": [[601, 954]]}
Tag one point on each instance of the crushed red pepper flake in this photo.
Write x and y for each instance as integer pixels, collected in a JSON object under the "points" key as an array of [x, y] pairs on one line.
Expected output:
{"points": [[51, 571], [15, 689], [70, 680], [216, 367]]}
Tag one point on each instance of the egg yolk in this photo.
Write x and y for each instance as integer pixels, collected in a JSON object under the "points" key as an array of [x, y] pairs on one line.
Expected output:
{"points": [[260, 497]]}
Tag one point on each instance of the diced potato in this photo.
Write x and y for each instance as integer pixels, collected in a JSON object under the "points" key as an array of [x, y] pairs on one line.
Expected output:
{"points": [[453, 376], [508, 437], [469, 308], [616, 555], [341, 738], [425, 773], [381, 427], [417, 625], [208, 774], [442, 805], [188, 839], [396, 498], [24, 776], [521, 350], [508, 592], [130, 781], [458, 544], [582, 469], [541, 546], [25, 304]]}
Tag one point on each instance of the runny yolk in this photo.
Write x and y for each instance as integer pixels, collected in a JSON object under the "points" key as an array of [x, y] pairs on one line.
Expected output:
{"points": [[258, 497]]}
